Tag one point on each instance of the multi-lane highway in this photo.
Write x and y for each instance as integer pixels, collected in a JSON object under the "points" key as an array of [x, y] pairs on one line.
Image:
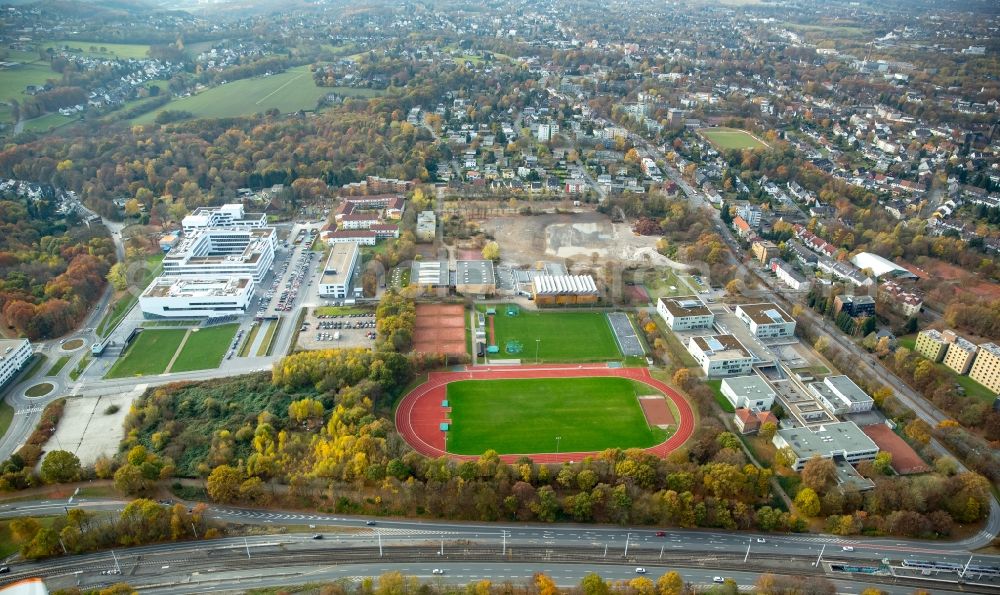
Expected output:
{"points": [[352, 546]]}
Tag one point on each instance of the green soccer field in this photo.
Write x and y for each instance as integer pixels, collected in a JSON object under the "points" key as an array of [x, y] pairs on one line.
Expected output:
{"points": [[205, 348], [526, 416], [571, 337], [731, 138], [149, 354]]}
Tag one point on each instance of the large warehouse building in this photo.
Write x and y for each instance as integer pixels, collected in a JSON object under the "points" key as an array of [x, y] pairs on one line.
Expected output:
{"points": [[223, 253], [184, 297], [475, 277], [564, 289]]}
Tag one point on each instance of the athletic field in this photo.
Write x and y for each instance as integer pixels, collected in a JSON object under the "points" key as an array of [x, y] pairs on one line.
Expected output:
{"points": [[515, 416], [731, 138], [570, 337]]}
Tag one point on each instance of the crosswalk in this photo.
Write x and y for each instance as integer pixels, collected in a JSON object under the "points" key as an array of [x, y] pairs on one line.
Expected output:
{"points": [[29, 411]]}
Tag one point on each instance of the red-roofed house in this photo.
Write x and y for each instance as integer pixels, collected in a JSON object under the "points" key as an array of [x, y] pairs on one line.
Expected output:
{"points": [[742, 228], [749, 421]]}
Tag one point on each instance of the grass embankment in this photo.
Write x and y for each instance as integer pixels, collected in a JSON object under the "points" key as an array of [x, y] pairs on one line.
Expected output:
{"points": [[526, 416], [148, 354], [205, 348], [58, 366]]}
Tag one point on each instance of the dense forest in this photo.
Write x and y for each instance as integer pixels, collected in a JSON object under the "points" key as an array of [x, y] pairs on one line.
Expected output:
{"points": [[51, 272]]}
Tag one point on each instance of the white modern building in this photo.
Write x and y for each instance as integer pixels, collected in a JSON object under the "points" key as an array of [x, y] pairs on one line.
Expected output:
{"points": [[339, 270], [191, 297], [13, 355], [212, 253], [766, 321], [843, 440], [840, 395], [748, 392], [685, 313], [230, 216], [720, 355]]}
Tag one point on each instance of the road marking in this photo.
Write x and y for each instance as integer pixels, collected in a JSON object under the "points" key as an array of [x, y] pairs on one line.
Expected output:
{"points": [[28, 411]]}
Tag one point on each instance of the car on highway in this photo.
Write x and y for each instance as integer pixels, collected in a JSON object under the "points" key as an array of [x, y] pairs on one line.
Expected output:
{"points": [[437, 571], [4, 569], [640, 570], [718, 579], [761, 540], [848, 548], [318, 536], [369, 523], [661, 533]]}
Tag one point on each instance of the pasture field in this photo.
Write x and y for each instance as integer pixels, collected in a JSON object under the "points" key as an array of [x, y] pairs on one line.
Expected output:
{"points": [[14, 80], [731, 138], [288, 92], [111, 50], [571, 337], [525, 416], [205, 348]]}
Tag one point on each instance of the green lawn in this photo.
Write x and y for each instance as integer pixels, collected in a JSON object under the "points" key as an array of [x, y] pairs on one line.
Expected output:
{"points": [[972, 388], [14, 80], [664, 283], [150, 353], [58, 366], [6, 415], [716, 386], [731, 138], [266, 343], [564, 336], [288, 91], [248, 341], [340, 310], [111, 50], [525, 416], [48, 122], [39, 390], [80, 367], [205, 348]]}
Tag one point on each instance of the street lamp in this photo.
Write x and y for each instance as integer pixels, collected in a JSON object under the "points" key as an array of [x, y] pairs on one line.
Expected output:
{"points": [[558, 438], [537, 343]]}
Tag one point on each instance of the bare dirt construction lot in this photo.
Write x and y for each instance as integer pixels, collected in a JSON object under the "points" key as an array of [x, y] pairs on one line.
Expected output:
{"points": [[320, 332], [582, 236], [440, 328], [961, 279], [91, 427]]}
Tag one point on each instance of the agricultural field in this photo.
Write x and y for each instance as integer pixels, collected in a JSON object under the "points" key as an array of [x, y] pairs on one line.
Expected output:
{"points": [[288, 91], [561, 336], [205, 348], [48, 122], [99, 49], [526, 416], [14, 80], [150, 353], [731, 138]]}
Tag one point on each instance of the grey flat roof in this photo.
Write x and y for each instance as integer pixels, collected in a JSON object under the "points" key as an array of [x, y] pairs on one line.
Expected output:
{"points": [[338, 265], [768, 313], [475, 272], [846, 387], [752, 385], [843, 436], [429, 272]]}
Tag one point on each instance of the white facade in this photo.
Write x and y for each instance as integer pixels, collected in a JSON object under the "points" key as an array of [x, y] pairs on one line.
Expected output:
{"points": [[182, 297], [843, 440], [212, 253], [339, 270], [230, 216], [766, 321], [13, 355], [840, 395], [720, 355], [685, 313], [749, 392]]}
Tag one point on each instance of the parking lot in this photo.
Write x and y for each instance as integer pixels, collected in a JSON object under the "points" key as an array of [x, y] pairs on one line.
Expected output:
{"points": [[292, 276], [337, 330]]}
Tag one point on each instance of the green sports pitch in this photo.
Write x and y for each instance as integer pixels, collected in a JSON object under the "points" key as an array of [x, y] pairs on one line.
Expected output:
{"points": [[731, 138], [569, 337], [525, 416]]}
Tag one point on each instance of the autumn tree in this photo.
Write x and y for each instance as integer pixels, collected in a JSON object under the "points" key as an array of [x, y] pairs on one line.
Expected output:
{"points": [[918, 430], [670, 583], [807, 502], [819, 473], [491, 251], [60, 466], [223, 484]]}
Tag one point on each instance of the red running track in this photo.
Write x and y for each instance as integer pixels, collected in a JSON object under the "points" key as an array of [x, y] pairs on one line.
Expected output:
{"points": [[419, 415]]}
